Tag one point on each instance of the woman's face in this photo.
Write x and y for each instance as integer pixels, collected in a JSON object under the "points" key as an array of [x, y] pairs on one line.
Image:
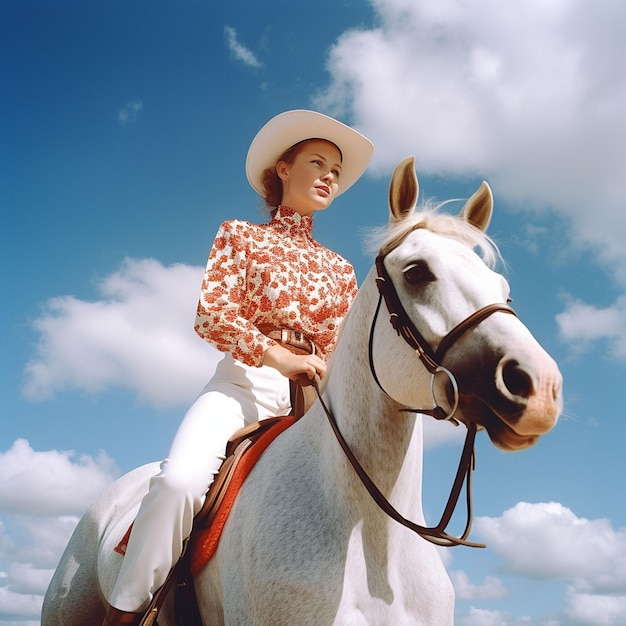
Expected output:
{"points": [[311, 182]]}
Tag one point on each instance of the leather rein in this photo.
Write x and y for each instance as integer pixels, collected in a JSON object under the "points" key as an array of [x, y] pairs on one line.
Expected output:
{"points": [[431, 359]]}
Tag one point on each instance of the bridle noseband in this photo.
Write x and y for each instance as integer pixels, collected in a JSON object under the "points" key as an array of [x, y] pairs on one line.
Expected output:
{"points": [[431, 360]]}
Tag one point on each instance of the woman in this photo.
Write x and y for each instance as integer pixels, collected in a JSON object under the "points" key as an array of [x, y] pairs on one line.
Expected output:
{"points": [[272, 300]]}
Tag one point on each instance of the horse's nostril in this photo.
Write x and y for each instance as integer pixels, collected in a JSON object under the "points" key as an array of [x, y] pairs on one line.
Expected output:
{"points": [[515, 379]]}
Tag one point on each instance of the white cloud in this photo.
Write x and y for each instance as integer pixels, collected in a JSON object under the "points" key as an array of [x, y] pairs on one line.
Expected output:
{"points": [[42, 494], [129, 112], [595, 610], [547, 540], [27, 562], [483, 617], [139, 336], [27, 580], [45, 483], [468, 90], [582, 323], [239, 51], [41, 539], [490, 588], [18, 606]]}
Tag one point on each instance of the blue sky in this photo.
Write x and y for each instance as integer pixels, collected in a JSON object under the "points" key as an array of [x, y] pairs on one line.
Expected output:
{"points": [[124, 127]]}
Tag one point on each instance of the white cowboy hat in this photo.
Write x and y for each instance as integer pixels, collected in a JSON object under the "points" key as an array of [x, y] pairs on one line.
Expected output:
{"points": [[291, 127]]}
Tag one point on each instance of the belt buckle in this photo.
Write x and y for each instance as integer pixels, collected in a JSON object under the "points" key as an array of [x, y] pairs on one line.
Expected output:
{"points": [[302, 339]]}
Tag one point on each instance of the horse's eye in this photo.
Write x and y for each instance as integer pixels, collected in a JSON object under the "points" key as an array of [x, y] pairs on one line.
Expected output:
{"points": [[418, 274]]}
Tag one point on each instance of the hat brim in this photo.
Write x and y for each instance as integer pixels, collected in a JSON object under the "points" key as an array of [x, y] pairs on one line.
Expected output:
{"points": [[291, 127]]}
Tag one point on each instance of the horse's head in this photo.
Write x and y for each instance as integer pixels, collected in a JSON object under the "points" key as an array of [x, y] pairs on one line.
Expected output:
{"points": [[454, 318]]}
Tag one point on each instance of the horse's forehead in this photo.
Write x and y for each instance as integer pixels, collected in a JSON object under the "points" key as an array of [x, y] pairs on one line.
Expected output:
{"points": [[426, 244]]}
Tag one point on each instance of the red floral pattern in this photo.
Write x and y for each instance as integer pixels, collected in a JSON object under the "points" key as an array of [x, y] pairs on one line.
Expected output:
{"points": [[272, 274]]}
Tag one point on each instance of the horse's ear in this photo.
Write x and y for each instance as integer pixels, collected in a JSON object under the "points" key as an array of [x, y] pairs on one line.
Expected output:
{"points": [[478, 209], [403, 190]]}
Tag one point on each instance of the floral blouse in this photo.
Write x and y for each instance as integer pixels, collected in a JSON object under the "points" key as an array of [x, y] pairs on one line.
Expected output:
{"points": [[272, 274]]}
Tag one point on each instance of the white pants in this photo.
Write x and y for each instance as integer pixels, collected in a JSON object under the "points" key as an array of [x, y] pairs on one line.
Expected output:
{"points": [[237, 395]]}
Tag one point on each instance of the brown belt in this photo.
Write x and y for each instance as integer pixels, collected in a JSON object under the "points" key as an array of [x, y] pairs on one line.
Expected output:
{"points": [[293, 340], [302, 395]]}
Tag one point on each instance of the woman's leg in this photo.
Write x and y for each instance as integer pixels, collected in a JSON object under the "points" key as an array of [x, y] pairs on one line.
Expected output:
{"points": [[177, 493]]}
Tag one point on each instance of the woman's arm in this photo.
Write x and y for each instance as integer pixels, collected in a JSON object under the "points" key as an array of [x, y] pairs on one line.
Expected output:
{"points": [[218, 318]]}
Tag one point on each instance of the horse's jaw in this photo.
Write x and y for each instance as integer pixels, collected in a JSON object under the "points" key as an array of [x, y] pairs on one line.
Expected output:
{"points": [[502, 434]]}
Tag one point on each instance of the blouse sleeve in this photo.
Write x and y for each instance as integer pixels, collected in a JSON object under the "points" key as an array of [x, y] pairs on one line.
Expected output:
{"points": [[218, 318], [349, 292], [351, 288]]}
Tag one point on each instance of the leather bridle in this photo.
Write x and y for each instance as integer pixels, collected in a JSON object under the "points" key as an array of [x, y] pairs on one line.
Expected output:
{"points": [[431, 360]]}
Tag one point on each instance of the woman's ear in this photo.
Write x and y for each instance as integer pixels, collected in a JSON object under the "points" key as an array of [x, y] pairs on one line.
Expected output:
{"points": [[282, 169]]}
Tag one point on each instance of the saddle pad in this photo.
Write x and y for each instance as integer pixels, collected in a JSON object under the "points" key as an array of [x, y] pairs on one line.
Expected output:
{"points": [[204, 540]]}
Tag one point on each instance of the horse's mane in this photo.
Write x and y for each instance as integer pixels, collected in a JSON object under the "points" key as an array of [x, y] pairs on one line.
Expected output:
{"points": [[386, 238]]}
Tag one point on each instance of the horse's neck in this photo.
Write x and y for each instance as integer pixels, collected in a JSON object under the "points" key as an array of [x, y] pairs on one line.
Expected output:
{"points": [[386, 441]]}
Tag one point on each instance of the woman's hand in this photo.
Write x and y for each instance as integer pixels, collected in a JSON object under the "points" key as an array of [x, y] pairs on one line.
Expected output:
{"points": [[294, 365]]}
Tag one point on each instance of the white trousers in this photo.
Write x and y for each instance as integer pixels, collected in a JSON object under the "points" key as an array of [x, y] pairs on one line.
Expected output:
{"points": [[237, 395]]}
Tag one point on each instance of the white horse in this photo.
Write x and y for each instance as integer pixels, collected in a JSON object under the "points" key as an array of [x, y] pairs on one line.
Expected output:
{"points": [[305, 543]]}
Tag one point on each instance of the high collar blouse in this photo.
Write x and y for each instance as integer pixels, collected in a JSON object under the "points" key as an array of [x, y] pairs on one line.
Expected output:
{"points": [[272, 274]]}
